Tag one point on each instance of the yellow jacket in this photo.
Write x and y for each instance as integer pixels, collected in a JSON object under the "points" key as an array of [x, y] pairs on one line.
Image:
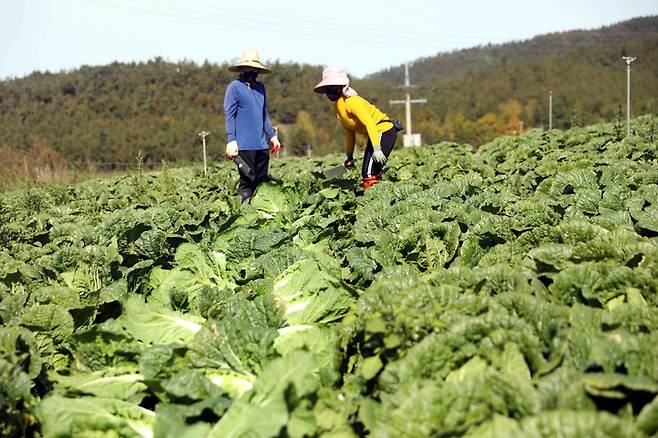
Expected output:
{"points": [[357, 115]]}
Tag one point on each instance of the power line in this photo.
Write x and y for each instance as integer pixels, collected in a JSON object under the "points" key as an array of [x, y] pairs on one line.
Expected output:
{"points": [[290, 15], [271, 22], [287, 15], [375, 37]]}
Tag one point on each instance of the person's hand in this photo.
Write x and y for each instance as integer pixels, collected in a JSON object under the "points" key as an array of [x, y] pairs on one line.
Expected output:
{"points": [[349, 162], [274, 144], [232, 149], [378, 156]]}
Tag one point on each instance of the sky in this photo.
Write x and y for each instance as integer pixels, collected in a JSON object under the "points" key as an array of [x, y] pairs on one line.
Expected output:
{"points": [[363, 36]]}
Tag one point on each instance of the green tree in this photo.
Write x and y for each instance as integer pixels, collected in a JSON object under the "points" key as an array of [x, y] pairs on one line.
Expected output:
{"points": [[303, 135]]}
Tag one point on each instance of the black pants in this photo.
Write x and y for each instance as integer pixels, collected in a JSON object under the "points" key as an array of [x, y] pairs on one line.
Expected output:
{"points": [[259, 162], [387, 142]]}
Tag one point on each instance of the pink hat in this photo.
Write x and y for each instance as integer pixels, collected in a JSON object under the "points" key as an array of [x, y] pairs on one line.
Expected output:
{"points": [[332, 76]]}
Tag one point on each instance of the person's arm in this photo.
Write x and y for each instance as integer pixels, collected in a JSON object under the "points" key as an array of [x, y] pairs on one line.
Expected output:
{"points": [[267, 126], [350, 141], [230, 111], [267, 123], [275, 145]]}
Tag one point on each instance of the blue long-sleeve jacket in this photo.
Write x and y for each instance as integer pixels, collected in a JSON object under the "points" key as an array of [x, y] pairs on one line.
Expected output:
{"points": [[247, 119]]}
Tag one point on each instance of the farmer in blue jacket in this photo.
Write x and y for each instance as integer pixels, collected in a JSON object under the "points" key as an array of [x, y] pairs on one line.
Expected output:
{"points": [[248, 126]]}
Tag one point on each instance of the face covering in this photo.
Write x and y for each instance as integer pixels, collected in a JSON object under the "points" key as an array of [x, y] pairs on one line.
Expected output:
{"points": [[333, 93], [333, 96], [249, 76]]}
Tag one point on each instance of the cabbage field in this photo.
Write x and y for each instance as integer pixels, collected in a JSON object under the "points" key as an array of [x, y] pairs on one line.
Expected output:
{"points": [[508, 292]]}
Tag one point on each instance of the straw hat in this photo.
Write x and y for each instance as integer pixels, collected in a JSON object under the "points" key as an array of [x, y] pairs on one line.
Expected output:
{"points": [[332, 76], [250, 58]]}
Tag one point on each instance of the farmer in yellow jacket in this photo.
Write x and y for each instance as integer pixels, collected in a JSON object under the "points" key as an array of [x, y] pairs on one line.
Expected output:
{"points": [[358, 116]]}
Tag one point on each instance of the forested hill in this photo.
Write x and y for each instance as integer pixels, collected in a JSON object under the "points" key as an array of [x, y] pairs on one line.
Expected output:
{"points": [[588, 85], [446, 66], [105, 115]]}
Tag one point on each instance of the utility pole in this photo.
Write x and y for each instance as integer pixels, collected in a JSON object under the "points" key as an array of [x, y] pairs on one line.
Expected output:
{"points": [[550, 110], [203, 135], [409, 138], [629, 60]]}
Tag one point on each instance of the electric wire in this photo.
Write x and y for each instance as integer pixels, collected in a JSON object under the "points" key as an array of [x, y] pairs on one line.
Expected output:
{"points": [[289, 15], [298, 30]]}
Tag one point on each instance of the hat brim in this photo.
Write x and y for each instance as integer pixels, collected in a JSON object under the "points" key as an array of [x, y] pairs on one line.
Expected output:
{"points": [[253, 64], [322, 85]]}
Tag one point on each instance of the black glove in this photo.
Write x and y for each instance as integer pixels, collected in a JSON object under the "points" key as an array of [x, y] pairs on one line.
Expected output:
{"points": [[349, 161]]}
